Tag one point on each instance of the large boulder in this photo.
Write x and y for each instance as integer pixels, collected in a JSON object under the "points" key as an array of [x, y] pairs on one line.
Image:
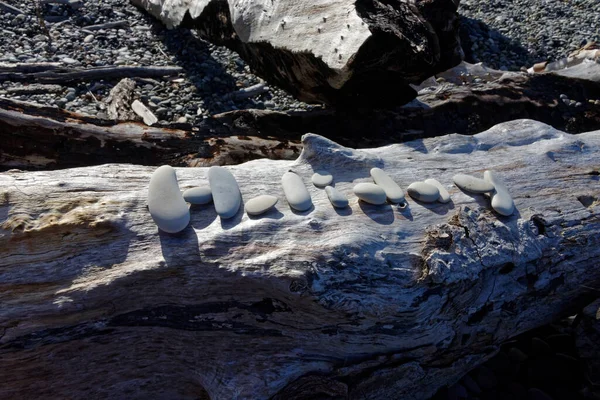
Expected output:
{"points": [[340, 52]]}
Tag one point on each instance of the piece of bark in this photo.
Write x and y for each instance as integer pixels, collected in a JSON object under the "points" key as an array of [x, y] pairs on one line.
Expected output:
{"points": [[141, 110], [118, 102], [67, 75], [30, 67], [342, 52], [373, 302]]}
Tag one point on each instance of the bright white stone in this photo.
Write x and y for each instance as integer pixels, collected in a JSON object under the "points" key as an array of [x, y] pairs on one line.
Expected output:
{"points": [[424, 192], [260, 204], [393, 192], [295, 192], [444, 195], [140, 109], [165, 202], [502, 201], [370, 193], [472, 184], [322, 179], [337, 198], [225, 191], [198, 195]]}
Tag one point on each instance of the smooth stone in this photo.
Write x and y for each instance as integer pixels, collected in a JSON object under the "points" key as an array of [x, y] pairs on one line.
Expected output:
{"points": [[502, 201], [393, 191], [322, 179], [225, 191], [370, 193], [260, 204], [472, 184], [444, 195], [423, 192], [198, 195], [165, 202], [337, 198], [295, 192]]}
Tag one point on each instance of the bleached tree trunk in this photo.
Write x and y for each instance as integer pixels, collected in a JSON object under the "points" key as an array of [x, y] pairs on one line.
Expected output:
{"points": [[374, 302]]}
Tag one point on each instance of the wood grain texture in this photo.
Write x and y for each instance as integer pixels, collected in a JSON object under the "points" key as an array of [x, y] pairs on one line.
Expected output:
{"points": [[374, 302]]}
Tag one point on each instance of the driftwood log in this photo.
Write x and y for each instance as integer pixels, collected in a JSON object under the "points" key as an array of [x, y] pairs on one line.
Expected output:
{"points": [[373, 302], [341, 52], [45, 137]]}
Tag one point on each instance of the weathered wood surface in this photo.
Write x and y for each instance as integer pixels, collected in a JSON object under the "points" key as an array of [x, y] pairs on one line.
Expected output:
{"points": [[71, 140], [373, 302], [36, 137], [340, 52]]}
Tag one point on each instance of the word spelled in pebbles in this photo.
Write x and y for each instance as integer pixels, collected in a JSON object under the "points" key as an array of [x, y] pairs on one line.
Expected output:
{"points": [[444, 195], [424, 192], [225, 192], [337, 198], [295, 192], [322, 179], [394, 193], [502, 202], [198, 195], [260, 204], [370, 193], [471, 184], [165, 202]]}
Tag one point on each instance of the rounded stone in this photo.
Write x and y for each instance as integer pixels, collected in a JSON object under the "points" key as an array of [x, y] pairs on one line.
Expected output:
{"points": [[393, 191], [370, 193], [337, 198], [260, 204], [295, 192], [423, 192], [225, 191], [444, 195], [471, 184], [198, 195], [165, 202], [502, 201], [322, 179]]}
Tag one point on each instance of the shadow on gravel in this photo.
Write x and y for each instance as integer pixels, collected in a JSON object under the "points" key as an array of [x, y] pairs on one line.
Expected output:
{"points": [[211, 80], [472, 30]]}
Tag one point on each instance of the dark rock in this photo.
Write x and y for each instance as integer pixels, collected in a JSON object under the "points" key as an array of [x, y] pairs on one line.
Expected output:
{"points": [[360, 54], [471, 385], [486, 378], [539, 347], [537, 394]]}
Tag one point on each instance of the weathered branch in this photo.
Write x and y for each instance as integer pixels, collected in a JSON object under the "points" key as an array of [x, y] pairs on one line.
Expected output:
{"points": [[372, 302], [34, 137], [66, 75]]}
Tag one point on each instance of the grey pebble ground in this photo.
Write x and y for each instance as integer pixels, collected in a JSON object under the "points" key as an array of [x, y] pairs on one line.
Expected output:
{"points": [[504, 34]]}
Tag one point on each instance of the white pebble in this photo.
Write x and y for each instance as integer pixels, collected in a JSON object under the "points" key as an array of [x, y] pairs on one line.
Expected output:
{"points": [[370, 193], [444, 195], [198, 195], [295, 192], [502, 202], [472, 184], [260, 204], [423, 192], [225, 192], [322, 179], [337, 198], [165, 202], [394, 193]]}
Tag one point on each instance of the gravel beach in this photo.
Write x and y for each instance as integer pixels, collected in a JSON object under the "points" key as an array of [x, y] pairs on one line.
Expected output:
{"points": [[503, 34]]}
